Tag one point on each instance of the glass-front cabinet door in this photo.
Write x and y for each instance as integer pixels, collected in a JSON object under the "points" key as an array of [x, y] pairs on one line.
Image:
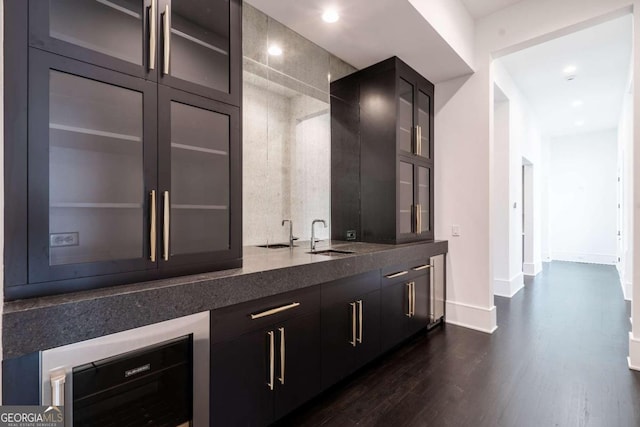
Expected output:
{"points": [[423, 200], [405, 198], [89, 141], [423, 129], [199, 154], [196, 47], [405, 130], [117, 34]]}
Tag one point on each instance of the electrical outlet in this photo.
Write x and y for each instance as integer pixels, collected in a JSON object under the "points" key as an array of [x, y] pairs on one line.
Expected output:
{"points": [[351, 234], [455, 230], [57, 240]]}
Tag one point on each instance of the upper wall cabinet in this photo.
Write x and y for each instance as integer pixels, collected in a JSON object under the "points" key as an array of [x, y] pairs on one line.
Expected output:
{"points": [[113, 176], [382, 155], [193, 45]]}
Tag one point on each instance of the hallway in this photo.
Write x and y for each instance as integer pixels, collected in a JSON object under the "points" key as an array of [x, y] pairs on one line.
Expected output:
{"points": [[558, 358]]}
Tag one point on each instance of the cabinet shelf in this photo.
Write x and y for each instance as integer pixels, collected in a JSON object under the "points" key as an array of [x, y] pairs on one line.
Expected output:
{"points": [[120, 8], [200, 207], [96, 205], [199, 149], [198, 41], [95, 132]]}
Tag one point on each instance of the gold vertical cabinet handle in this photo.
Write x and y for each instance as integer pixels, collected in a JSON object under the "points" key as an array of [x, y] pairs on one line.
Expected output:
{"points": [[153, 11], [166, 32], [432, 287], [419, 140], [408, 313], [413, 299], [165, 226], [353, 323], [271, 361], [282, 355], [153, 227], [359, 339]]}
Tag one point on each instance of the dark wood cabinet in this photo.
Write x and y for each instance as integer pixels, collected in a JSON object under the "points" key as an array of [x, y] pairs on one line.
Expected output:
{"points": [[265, 358], [406, 302], [121, 173], [192, 45], [382, 148], [350, 325]]}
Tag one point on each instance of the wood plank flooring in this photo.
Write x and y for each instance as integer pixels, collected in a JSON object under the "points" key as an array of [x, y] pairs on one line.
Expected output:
{"points": [[558, 358]]}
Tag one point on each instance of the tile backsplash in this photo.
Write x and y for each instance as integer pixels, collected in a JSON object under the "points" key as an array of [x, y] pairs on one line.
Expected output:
{"points": [[286, 131]]}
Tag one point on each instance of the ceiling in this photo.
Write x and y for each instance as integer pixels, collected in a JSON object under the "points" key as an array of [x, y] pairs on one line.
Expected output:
{"points": [[481, 8], [370, 31], [601, 55]]}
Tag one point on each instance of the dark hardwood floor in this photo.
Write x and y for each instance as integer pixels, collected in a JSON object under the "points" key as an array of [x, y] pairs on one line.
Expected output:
{"points": [[558, 358]]}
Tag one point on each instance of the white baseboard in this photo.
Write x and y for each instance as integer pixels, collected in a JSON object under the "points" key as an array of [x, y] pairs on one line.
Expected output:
{"points": [[626, 290], [634, 353], [532, 268], [607, 259], [472, 317], [508, 288]]}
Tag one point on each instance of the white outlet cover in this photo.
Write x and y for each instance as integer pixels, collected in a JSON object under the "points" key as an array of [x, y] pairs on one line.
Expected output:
{"points": [[455, 230]]}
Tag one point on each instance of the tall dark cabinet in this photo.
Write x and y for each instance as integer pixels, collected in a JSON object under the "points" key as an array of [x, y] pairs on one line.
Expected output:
{"points": [[382, 155], [123, 150]]}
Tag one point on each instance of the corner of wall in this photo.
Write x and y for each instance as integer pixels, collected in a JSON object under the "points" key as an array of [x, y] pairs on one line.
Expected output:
{"points": [[508, 288], [634, 353], [472, 317]]}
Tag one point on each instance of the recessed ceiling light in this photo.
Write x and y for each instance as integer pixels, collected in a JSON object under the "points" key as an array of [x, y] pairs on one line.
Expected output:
{"points": [[330, 16], [579, 123], [275, 50], [570, 69], [577, 103]]}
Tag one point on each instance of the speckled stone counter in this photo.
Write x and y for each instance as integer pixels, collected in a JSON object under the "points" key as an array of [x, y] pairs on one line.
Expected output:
{"points": [[42, 323]]}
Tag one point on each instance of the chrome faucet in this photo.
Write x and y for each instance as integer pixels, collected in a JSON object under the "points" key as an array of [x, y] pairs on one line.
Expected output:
{"points": [[291, 238], [313, 234]]}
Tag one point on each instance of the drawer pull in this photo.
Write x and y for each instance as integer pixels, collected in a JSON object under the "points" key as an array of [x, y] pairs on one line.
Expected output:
{"points": [[282, 355], [359, 339], [422, 267], [394, 275], [274, 310]]}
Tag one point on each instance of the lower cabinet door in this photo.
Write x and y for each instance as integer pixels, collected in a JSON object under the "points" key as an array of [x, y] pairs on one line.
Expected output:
{"points": [[240, 376], [297, 362], [339, 331], [394, 312], [420, 318], [368, 347]]}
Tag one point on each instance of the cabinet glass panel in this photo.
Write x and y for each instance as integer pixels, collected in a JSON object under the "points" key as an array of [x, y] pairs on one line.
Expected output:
{"points": [[110, 27], [405, 197], [424, 107], [405, 116], [95, 171], [200, 42], [199, 180], [424, 198]]}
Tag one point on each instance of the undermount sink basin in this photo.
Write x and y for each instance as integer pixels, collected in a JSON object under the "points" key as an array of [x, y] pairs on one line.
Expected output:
{"points": [[331, 252], [276, 246]]}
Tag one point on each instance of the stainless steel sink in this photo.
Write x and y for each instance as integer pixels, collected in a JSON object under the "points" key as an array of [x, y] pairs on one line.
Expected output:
{"points": [[276, 246], [331, 252]]}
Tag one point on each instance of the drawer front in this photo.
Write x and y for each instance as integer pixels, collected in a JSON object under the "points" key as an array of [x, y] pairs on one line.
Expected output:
{"points": [[404, 272], [230, 322], [349, 288]]}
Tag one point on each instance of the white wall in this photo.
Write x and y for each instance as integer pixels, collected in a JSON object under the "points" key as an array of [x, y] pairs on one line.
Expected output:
{"points": [[625, 166], [583, 197], [464, 119]]}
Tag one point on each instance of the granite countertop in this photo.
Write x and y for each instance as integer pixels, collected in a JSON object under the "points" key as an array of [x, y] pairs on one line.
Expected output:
{"points": [[42, 323]]}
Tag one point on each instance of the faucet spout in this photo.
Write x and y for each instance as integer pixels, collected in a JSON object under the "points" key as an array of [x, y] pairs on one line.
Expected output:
{"points": [[313, 233], [290, 231]]}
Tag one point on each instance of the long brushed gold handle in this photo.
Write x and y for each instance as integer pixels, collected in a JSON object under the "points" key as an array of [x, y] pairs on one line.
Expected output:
{"points": [[271, 361], [153, 232], [282, 355], [153, 30], [419, 141], [353, 323], [413, 299], [408, 313], [166, 16], [421, 267], [432, 286], [166, 226], [398, 274], [359, 339], [274, 310]]}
